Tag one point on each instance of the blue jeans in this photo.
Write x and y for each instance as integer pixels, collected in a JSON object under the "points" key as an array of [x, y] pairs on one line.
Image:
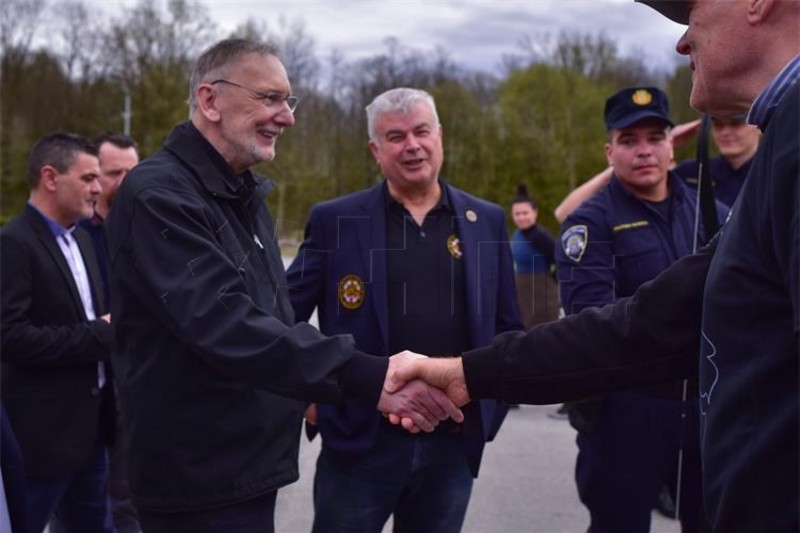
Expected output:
{"points": [[79, 500], [423, 479]]}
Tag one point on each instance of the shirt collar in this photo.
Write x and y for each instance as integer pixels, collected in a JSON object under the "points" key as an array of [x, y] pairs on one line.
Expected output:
{"points": [[208, 164], [444, 199], [675, 187], [771, 96], [57, 229]]}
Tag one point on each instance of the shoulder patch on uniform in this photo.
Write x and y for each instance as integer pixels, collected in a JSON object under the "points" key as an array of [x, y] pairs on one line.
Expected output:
{"points": [[574, 241]]}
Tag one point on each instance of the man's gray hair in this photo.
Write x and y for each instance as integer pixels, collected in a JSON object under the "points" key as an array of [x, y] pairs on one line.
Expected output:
{"points": [[213, 64], [401, 100]]}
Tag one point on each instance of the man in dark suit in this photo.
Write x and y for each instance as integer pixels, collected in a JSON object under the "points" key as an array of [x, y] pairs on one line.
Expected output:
{"points": [[56, 339], [410, 264]]}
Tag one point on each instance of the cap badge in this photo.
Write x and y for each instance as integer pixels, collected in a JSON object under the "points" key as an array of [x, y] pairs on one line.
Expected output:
{"points": [[642, 97], [454, 246], [352, 292], [574, 241]]}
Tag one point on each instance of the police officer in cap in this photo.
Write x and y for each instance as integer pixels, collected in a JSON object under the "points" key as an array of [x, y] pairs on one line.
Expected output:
{"points": [[623, 236]]}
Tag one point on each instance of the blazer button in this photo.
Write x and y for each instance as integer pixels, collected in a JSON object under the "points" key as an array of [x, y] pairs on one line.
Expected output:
{"points": [[95, 391]]}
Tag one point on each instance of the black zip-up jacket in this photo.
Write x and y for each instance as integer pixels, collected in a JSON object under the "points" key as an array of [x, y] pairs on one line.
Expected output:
{"points": [[210, 364]]}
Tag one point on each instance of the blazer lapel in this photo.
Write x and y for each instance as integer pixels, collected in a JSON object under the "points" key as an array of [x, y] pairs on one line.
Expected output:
{"points": [[52, 248], [372, 237], [468, 225]]}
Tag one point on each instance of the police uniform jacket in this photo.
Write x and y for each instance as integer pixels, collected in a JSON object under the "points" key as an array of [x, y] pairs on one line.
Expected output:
{"points": [[726, 180], [210, 364], [615, 241], [344, 237]]}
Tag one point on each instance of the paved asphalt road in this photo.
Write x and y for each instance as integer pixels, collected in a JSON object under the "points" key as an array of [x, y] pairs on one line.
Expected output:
{"points": [[526, 482], [525, 486]]}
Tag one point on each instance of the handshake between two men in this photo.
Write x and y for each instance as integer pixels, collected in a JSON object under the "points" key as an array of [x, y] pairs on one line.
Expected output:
{"points": [[419, 392]]}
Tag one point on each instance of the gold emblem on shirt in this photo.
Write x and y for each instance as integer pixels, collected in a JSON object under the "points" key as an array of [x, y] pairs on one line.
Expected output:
{"points": [[454, 246]]}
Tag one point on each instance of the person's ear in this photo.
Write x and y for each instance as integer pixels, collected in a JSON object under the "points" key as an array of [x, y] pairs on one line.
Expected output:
{"points": [[375, 149], [757, 10], [208, 102], [48, 177]]}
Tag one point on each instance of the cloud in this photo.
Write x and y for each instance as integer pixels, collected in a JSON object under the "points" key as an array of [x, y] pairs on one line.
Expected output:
{"points": [[474, 33]]}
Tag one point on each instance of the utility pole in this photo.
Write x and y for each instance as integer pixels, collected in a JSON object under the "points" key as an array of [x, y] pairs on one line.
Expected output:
{"points": [[126, 114]]}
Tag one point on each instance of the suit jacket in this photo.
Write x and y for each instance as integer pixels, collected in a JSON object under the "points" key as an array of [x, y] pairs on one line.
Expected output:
{"points": [[49, 349], [344, 237]]}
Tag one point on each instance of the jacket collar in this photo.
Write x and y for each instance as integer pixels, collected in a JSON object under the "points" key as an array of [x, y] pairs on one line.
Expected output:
{"points": [[444, 199], [675, 185], [211, 169], [772, 95]]}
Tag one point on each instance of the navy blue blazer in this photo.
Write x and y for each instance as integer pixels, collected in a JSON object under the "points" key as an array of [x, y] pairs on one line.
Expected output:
{"points": [[346, 236]]}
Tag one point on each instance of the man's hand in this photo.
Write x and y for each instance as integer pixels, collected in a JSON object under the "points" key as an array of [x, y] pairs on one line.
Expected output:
{"points": [[683, 133], [424, 407], [443, 373], [418, 406]]}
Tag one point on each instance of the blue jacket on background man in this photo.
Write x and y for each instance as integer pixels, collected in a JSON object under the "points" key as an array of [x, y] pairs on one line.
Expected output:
{"points": [[347, 236], [631, 243]]}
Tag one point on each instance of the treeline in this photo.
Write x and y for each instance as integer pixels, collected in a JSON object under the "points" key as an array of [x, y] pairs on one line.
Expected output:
{"points": [[539, 122]]}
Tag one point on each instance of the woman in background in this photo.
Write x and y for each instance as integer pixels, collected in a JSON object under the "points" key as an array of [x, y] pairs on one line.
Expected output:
{"points": [[533, 250]]}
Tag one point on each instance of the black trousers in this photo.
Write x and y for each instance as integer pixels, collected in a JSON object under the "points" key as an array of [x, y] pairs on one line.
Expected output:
{"points": [[252, 516]]}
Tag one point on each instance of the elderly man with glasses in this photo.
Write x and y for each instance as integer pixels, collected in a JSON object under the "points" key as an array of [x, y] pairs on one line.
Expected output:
{"points": [[213, 371]]}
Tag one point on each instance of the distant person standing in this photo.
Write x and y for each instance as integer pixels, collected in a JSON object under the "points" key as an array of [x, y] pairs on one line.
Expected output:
{"points": [[118, 154], [625, 235], [737, 142], [56, 340], [533, 251]]}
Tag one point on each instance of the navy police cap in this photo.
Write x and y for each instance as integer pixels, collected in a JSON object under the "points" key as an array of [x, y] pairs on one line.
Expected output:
{"points": [[675, 10], [629, 106]]}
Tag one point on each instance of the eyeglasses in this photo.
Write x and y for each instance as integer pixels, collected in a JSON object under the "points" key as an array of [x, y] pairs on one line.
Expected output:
{"points": [[269, 99]]}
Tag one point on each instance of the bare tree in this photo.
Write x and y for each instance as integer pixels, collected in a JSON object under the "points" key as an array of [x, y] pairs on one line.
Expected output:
{"points": [[77, 39], [297, 48], [19, 20]]}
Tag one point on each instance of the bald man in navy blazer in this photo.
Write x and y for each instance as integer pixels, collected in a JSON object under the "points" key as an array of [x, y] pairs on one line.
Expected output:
{"points": [[411, 263]]}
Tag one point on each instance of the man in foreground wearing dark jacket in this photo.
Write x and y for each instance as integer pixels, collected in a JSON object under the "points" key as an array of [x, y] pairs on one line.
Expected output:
{"points": [[736, 302], [212, 368]]}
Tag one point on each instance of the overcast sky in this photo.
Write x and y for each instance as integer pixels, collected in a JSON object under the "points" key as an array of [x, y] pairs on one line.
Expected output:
{"points": [[475, 33]]}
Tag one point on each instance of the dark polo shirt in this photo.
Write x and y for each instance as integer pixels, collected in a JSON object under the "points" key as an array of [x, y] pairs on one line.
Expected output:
{"points": [[425, 281]]}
